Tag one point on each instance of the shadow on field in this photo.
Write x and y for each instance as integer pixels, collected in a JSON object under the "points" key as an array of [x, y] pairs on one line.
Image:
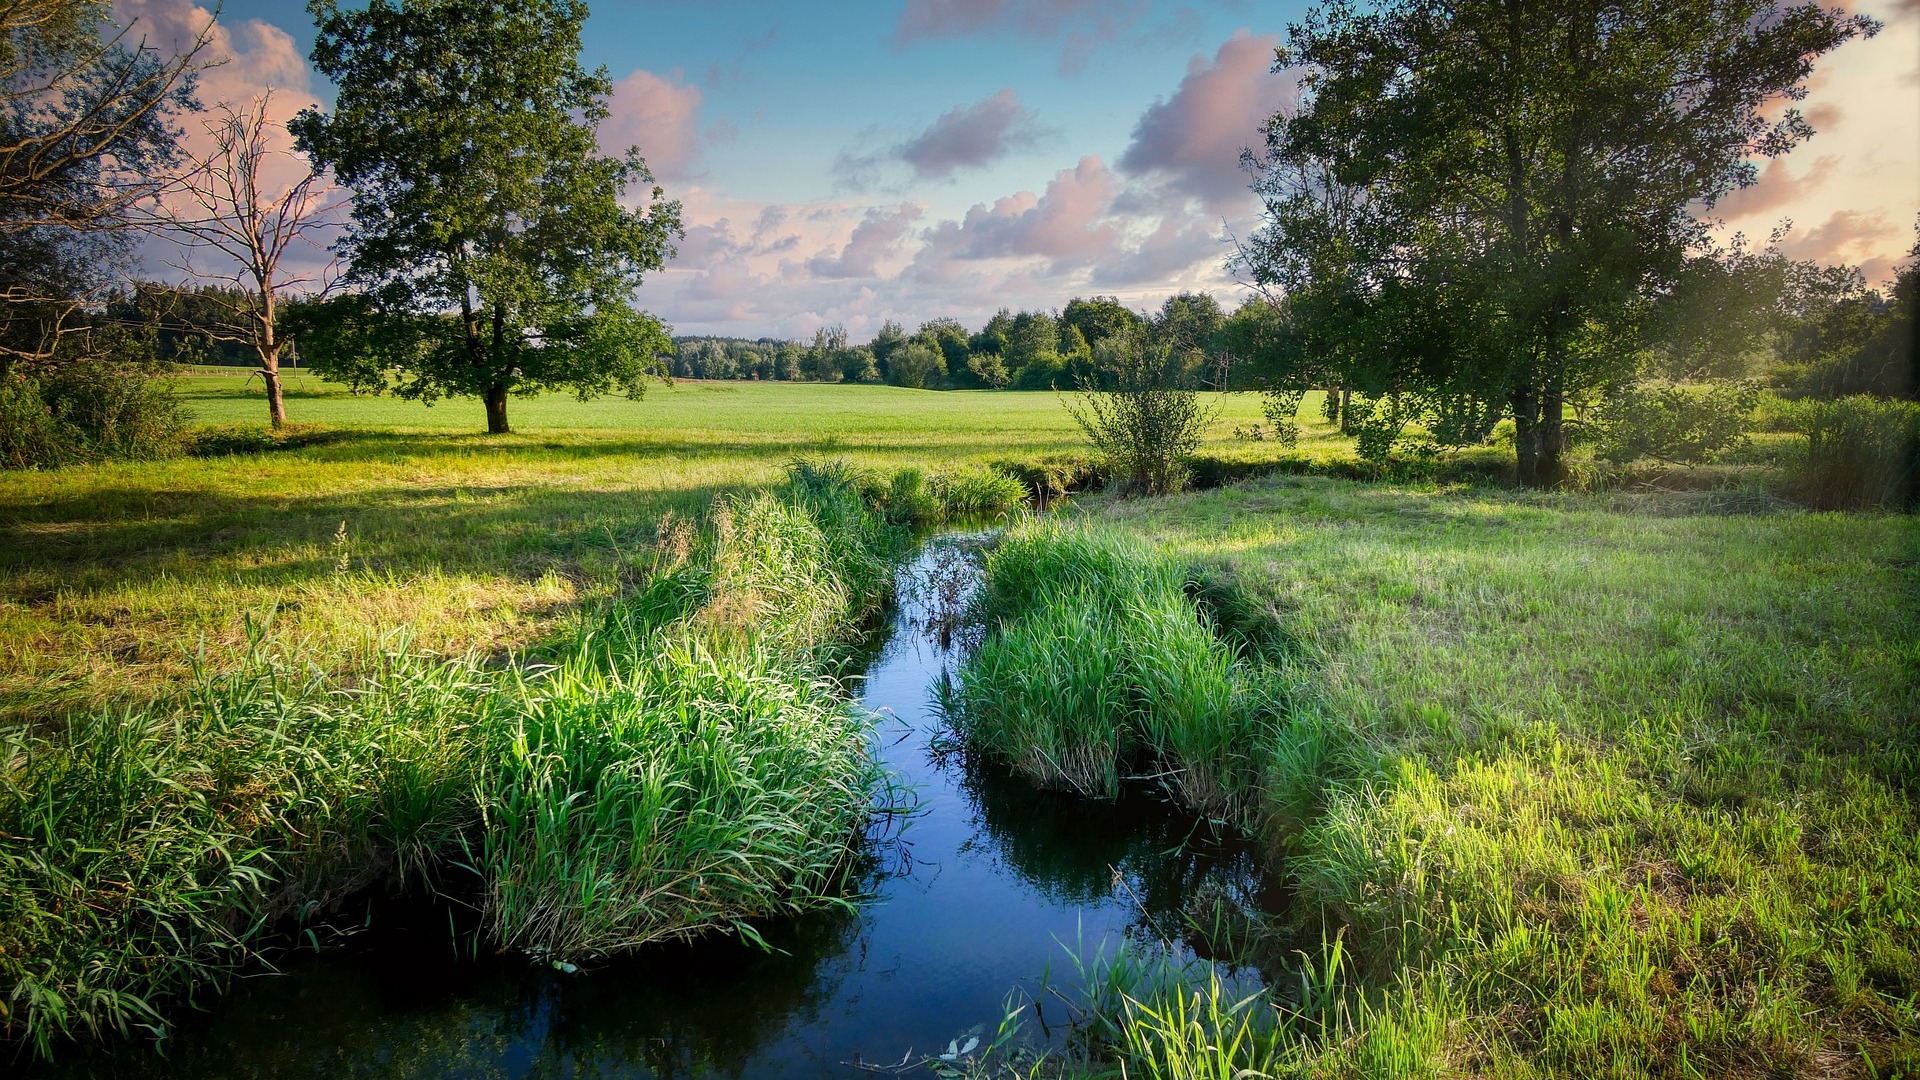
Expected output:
{"points": [[515, 529]]}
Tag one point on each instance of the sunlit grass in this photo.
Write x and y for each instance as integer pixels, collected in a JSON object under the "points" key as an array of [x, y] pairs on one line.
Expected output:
{"points": [[663, 775], [1616, 785], [113, 576]]}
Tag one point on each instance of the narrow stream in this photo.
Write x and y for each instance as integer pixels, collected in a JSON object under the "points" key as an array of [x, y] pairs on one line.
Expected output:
{"points": [[973, 899]]}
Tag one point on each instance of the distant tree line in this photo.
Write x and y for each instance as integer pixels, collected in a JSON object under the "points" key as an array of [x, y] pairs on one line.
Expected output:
{"points": [[1196, 341]]}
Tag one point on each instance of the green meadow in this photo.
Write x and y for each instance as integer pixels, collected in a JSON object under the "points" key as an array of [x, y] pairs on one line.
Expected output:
{"points": [[1616, 783], [113, 578]]}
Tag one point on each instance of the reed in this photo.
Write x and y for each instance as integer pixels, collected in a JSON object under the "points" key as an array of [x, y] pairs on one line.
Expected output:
{"points": [[1095, 665], [685, 764]]}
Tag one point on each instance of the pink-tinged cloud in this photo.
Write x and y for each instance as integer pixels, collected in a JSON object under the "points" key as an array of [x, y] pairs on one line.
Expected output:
{"points": [[1194, 138], [969, 136], [245, 61], [659, 116], [873, 240], [1062, 225], [1088, 23], [1776, 189], [1165, 254], [246, 58], [1849, 237]]}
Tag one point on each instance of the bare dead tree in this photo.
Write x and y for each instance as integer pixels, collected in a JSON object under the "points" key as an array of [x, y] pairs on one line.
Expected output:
{"points": [[228, 207], [86, 136]]}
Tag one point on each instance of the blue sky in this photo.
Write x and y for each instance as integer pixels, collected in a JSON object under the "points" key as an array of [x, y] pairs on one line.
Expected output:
{"points": [[907, 159]]}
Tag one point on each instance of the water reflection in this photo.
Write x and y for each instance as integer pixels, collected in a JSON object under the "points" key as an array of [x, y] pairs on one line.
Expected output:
{"points": [[971, 899]]}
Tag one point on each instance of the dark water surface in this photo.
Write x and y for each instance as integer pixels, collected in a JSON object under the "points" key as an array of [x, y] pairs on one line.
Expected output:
{"points": [[974, 898]]}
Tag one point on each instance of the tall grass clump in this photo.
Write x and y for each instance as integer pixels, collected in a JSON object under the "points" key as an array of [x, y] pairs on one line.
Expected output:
{"points": [[685, 765], [145, 853], [1863, 453], [914, 497], [1166, 1018], [683, 791], [1095, 664], [88, 410]]}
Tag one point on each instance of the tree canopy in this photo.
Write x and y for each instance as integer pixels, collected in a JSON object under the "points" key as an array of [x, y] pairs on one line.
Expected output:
{"points": [[1487, 198], [466, 130]]}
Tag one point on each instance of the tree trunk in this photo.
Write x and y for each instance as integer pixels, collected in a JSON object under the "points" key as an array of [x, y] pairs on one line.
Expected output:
{"points": [[1346, 410], [267, 346], [1539, 437], [1526, 437], [1550, 471], [497, 409], [276, 404]]}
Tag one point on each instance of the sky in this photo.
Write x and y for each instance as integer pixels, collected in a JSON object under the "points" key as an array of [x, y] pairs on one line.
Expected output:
{"points": [[855, 162]]}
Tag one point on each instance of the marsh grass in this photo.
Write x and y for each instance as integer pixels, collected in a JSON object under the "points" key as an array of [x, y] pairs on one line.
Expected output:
{"points": [[664, 772], [1095, 665]]}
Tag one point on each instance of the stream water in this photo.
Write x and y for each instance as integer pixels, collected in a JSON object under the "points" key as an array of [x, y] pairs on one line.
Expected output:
{"points": [[973, 900]]}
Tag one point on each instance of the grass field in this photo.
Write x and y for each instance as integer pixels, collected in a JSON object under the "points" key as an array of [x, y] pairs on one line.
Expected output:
{"points": [[1616, 784], [112, 578], [1580, 785]]}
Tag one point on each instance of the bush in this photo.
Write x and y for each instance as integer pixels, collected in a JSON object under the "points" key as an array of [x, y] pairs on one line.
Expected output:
{"points": [[87, 410], [1679, 425], [1863, 453], [1146, 426], [916, 365], [30, 435], [1044, 372]]}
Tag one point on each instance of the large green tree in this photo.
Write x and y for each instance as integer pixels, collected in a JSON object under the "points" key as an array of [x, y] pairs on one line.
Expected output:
{"points": [[1493, 194], [466, 130]]}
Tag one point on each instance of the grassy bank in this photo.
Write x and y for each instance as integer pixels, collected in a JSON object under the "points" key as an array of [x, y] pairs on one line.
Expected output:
{"points": [[113, 576], [1566, 785], [670, 769]]}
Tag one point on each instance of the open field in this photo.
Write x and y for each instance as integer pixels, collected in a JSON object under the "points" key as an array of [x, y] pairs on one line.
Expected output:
{"points": [[1600, 784], [1588, 785], [112, 577]]}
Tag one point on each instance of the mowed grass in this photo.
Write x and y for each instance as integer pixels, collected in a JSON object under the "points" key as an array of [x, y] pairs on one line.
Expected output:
{"points": [[1618, 785], [113, 578]]}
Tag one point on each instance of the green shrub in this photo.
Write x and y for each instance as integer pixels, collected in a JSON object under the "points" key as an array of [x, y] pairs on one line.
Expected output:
{"points": [[87, 410], [916, 365], [1682, 425], [1146, 426], [31, 436], [1862, 453]]}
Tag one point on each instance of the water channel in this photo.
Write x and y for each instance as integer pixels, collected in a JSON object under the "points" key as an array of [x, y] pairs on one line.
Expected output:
{"points": [[972, 901]]}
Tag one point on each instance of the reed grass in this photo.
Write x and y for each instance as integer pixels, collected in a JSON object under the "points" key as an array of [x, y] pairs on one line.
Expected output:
{"points": [[669, 771], [1095, 665]]}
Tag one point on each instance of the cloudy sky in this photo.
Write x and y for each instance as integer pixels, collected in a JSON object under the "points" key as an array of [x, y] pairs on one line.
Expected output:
{"points": [[852, 162]]}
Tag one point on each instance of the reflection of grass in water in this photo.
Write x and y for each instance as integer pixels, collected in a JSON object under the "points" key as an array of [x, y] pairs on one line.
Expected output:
{"points": [[676, 1010], [664, 776]]}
